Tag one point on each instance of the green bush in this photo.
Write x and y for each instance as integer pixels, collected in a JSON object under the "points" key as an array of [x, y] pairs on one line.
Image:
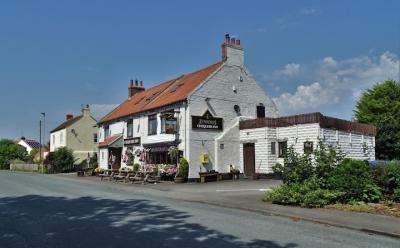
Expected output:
{"points": [[306, 194], [387, 177], [297, 168], [326, 158], [396, 195], [183, 170], [63, 159], [136, 167], [355, 179], [9, 150]]}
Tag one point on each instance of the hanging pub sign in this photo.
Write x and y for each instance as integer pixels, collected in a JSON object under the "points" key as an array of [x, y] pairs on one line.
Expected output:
{"points": [[135, 141], [207, 122]]}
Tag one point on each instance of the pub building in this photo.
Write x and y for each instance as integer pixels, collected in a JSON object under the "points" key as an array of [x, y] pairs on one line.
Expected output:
{"points": [[198, 113]]}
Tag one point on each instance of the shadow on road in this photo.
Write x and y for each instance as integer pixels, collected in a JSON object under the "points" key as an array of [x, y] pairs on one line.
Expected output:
{"points": [[39, 221]]}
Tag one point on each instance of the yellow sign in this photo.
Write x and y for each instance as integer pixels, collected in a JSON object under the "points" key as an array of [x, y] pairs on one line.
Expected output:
{"points": [[204, 158]]}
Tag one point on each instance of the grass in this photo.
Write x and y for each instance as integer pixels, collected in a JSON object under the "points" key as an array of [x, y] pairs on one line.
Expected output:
{"points": [[384, 208]]}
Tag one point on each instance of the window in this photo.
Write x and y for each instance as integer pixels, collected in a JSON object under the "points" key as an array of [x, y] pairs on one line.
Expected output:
{"points": [[308, 147], [168, 123], [273, 148], [282, 149], [152, 124], [61, 138], [129, 128], [95, 138], [102, 155], [106, 131], [260, 111], [54, 139]]}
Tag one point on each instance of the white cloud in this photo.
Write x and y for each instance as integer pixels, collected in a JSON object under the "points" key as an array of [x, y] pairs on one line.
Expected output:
{"points": [[289, 69], [100, 110], [336, 80]]}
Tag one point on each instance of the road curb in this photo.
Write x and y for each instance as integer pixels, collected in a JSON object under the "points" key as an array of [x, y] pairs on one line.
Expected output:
{"points": [[296, 217]]}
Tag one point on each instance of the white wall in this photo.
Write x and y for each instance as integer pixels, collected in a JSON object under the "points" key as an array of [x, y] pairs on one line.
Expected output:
{"points": [[103, 158], [221, 100], [59, 139], [296, 135]]}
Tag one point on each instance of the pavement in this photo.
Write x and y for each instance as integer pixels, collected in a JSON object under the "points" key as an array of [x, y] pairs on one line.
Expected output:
{"points": [[247, 195]]}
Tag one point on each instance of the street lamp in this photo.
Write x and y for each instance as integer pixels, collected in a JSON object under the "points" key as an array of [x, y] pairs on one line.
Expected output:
{"points": [[44, 136]]}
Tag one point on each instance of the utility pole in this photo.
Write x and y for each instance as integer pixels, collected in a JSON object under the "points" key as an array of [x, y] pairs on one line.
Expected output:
{"points": [[44, 138]]}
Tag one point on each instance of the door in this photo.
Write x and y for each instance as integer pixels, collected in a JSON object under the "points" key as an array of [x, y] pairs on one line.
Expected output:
{"points": [[249, 159]]}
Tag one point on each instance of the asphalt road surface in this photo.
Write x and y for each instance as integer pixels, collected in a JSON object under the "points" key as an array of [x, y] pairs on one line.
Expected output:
{"points": [[48, 211]]}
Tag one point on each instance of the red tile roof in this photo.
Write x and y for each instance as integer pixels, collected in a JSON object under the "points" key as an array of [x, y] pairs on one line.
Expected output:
{"points": [[109, 140], [172, 91]]}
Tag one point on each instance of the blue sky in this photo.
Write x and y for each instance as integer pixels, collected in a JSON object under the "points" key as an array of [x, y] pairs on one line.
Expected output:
{"points": [[308, 55]]}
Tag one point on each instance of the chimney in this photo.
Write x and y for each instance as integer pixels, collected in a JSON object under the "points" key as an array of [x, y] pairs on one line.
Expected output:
{"points": [[232, 52], [69, 117], [86, 110], [22, 138], [135, 88]]}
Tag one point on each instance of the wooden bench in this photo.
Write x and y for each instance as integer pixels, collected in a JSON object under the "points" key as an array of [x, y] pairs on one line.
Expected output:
{"points": [[209, 177]]}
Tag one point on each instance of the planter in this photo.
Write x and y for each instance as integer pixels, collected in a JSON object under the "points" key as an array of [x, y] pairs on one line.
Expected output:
{"points": [[179, 180]]}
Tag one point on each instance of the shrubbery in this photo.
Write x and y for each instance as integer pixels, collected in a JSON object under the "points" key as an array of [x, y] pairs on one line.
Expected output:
{"points": [[9, 150], [63, 159], [329, 178], [183, 170]]}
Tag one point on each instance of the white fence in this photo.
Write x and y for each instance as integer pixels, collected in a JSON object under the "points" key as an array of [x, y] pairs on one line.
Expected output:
{"points": [[24, 167]]}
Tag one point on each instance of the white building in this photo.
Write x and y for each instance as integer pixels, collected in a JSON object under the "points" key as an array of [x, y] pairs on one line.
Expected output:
{"points": [[264, 141], [205, 105], [199, 113], [29, 144]]}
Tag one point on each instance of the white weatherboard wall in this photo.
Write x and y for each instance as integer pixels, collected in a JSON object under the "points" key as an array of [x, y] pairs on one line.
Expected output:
{"points": [[354, 145], [230, 85]]}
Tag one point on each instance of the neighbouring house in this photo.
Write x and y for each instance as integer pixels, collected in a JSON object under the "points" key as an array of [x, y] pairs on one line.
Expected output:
{"points": [[29, 144], [263, 141], [78, 133], [197, 112]]}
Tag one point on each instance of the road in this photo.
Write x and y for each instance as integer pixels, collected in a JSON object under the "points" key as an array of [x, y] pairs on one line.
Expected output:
{"points": [[48, 211]]}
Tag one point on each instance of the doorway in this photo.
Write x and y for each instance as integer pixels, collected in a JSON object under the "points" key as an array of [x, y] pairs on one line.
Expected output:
{"points": [[249, 160]]}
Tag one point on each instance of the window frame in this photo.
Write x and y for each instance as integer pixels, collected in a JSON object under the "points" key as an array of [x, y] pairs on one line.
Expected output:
{"points": [[273, 147], [152, 118], [282, 148], [95, 138], [129, 128], [106, 131], [258, 110], [311, 147]]}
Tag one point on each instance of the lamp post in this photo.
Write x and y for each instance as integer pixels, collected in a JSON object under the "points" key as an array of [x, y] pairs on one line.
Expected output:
{"points": [[43, 114]]}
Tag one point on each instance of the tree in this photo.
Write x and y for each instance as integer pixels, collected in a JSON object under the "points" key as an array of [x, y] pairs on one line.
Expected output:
{"points": [[9, 151], [380, 106], [63, 159], [33, 153]]}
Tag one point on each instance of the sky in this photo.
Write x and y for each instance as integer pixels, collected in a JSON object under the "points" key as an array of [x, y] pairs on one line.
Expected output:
{"points": [[56, 56]]}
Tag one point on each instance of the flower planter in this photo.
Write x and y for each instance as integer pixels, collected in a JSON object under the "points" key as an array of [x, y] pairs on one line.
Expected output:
{"points": [[179, 180]]}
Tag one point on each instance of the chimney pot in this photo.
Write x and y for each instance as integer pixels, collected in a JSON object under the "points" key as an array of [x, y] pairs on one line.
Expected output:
{"points": [[233, 41], [136, 82], [237, 42], [141, 83], [227, 38], [131, 82], [69, 117]]}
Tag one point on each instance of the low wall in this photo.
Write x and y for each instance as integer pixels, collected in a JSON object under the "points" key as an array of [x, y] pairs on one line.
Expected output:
{"points": [[24, 167]]}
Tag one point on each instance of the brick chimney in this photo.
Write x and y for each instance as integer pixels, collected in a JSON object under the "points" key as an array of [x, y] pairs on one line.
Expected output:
{"points": [[135, 87], [232, 52], [69, 117]]}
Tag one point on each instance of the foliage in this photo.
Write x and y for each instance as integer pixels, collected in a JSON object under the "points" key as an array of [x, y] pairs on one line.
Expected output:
{"points": [[49, 160], [380, 106], [93, 162], [63, 159], [9, 151], [173, 152], [306, 194], [33, 153], [183, 170], [326, 158], [298, 168], [387, 177], [131, 157], [136, 167], [355, 179]]}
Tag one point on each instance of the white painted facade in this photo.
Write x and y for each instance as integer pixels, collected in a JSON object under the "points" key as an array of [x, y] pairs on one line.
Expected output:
{"points": [[354, 145], [231, 84]]}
